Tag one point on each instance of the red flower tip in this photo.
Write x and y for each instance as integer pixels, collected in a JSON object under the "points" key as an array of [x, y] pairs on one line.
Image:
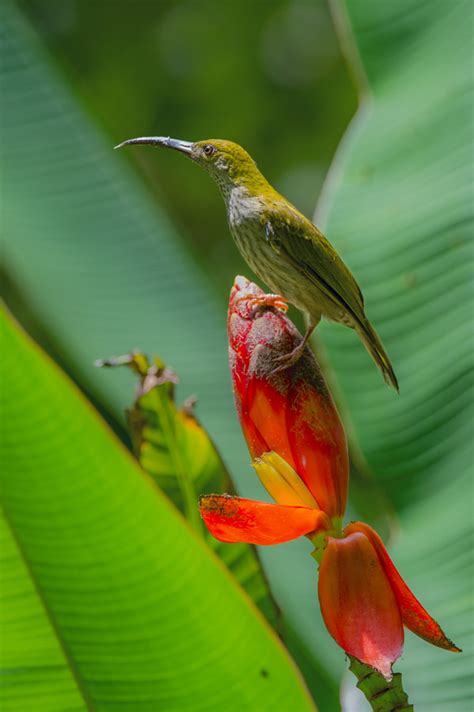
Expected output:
{"points": [[358, 604], [290, 412]]}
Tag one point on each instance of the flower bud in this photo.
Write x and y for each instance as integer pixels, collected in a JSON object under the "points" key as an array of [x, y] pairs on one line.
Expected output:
{"points": [[288, 411]]}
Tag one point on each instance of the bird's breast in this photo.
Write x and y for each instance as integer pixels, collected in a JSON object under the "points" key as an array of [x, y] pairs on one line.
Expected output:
{"points": [[250, 238], [246, 216]]}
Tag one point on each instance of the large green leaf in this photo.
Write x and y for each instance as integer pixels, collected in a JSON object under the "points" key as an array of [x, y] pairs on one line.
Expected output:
{"points": [[398, 205], [175, 450], [97, 269], [110, 601]]}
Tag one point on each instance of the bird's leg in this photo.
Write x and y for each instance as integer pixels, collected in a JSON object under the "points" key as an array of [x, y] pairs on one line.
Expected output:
{"points": [[264, 301], [291, 358]]}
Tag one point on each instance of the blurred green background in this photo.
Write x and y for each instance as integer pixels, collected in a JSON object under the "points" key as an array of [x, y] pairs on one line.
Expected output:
{"points": [[268, 75], [106, 251]]}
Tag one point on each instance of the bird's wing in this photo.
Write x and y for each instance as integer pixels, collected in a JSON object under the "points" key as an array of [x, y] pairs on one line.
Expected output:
{"points": [[306, 248]]}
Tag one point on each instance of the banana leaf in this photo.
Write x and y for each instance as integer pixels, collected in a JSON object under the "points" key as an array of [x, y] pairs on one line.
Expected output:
{"points": [[109, 600], [398, 206]]}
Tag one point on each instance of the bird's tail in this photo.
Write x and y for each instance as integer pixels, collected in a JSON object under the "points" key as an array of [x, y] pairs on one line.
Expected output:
{"points": [[374, 346]]}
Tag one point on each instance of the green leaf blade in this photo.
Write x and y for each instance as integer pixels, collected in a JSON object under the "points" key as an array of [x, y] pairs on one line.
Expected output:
{"points": [[398, 207], [147, 618]]}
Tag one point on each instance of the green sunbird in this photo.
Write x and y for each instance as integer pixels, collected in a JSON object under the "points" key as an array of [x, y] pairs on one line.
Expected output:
{"points": [[282, 247]]}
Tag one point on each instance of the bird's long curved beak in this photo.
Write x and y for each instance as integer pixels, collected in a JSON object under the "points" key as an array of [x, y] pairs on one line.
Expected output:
{"points": [[166, 141]]}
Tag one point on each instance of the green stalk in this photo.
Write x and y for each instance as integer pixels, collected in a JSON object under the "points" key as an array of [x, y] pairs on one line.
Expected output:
{"points": [[382, 695], [190, 496]]}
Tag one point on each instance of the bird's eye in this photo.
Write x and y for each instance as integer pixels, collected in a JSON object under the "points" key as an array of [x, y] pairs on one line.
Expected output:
{"points": [[209, 150]]}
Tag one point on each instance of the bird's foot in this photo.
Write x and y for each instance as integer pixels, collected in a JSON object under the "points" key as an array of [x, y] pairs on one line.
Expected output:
{"points": [[264, 301], [287, 360]]}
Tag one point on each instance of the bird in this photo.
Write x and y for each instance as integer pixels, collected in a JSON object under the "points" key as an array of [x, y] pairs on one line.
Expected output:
{"points": [[283, 247]]}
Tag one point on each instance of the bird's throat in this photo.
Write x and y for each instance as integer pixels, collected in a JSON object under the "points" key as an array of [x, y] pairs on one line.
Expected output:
{"points": [[242, 206]]}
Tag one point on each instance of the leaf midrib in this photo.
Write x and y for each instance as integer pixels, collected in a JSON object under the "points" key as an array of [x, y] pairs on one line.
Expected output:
{"points": [[186, 485], [69, 658]]}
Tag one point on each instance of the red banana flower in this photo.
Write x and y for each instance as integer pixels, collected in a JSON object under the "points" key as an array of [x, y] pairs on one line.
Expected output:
{"points": [[289, 411], [295, 436]]}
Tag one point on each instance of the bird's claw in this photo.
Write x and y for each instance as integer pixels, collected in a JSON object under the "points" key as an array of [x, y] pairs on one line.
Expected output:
{"points": [[288, 360], [264, 301]]}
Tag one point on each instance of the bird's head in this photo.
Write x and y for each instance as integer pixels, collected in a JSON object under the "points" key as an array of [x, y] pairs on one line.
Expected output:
{"points": [[227, 162]]}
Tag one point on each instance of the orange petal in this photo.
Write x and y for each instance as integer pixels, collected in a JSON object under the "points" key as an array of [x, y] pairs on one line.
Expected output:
{"points": [[358, 604], [414, 616], [235, 519], [282, 482]]}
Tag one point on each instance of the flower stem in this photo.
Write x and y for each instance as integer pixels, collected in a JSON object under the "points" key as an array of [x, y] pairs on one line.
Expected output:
{"points": [[382, 695]]}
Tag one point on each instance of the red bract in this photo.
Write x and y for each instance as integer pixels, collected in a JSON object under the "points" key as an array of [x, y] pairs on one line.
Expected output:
{"points": [[235, 519], [414, 616], [289, 411], [358, 603], [365, 601]]}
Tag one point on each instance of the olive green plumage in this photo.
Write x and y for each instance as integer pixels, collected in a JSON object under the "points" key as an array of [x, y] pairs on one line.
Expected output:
{"points": [[283, 247]]}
